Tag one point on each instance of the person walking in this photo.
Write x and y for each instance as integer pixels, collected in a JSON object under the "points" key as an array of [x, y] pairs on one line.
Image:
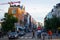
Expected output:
{"points": [[50, 34], [0, 34], [33, 33]]}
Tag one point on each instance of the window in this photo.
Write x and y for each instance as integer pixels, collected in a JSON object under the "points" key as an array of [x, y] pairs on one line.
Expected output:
{"points": [[13, 11]]}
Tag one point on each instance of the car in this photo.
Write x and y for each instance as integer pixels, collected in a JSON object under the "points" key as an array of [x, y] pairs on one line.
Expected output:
{"points": [[21, 32], [12, 35]]}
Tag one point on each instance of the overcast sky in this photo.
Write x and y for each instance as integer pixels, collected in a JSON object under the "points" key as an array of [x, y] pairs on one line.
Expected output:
{"points": [[38, 9]]}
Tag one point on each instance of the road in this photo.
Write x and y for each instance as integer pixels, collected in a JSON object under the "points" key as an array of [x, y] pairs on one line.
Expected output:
{"points": [[28, 36]]}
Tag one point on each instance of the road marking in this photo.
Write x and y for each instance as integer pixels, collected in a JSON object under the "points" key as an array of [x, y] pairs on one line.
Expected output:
{"points": [[22, 37], [26, 37]]}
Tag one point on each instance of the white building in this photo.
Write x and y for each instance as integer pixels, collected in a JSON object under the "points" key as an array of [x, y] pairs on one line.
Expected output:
{"points": [[55, 11]]}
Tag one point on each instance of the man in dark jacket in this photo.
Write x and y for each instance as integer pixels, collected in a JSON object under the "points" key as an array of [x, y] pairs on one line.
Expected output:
{"points": [[33, 32]]}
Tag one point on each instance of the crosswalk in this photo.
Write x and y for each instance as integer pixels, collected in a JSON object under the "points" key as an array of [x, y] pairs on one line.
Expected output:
{"points": [[25, 37], [28, 38], [22, 37]]}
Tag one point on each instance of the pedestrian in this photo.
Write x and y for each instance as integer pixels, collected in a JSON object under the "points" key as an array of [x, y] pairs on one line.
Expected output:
{"points": [[56, 34], [50, 34], [33, 32], [0, 34], [43, 35]]}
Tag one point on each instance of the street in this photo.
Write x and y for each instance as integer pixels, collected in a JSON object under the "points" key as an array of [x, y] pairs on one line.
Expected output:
{"points": [[28, 36]]}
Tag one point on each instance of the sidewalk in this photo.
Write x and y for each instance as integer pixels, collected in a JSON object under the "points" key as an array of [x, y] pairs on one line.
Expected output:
{"points": [[52, 39]]}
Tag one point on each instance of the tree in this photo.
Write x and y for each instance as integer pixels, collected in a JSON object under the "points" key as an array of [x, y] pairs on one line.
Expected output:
{"points": [[52, 23], [8, 23]]}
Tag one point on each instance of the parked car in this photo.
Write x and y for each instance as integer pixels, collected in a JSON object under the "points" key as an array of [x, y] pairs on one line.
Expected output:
{"points": [[12, 35], [21, 32]]}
